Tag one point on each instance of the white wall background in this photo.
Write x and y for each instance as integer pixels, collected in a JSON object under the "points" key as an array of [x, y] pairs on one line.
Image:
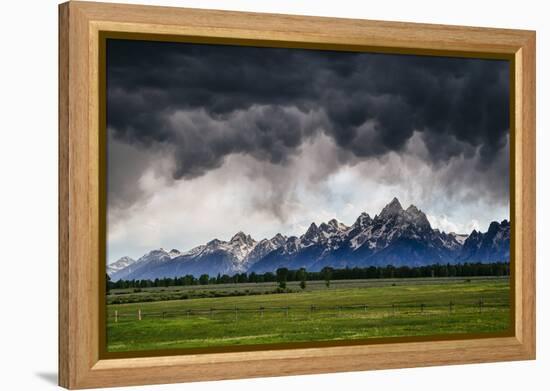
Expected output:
{"points": [[28, 196]]}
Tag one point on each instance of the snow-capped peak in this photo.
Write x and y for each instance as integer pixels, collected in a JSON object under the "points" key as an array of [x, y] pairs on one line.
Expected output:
{"points": [[278, 240], [312, 234], [363, 220], [312, 229], [214, 243], [240, 245], [194, 251], [333, 227], [243, 238], [174, 253], [264, 247], [338, 226], [119, 264], [158, 251]]}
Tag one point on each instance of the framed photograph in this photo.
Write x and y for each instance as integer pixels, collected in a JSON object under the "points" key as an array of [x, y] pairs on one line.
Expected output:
{"points": [[246, 195]]}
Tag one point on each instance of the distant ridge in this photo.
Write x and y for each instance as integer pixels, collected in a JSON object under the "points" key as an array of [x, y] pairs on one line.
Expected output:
{"points": [[396, 236]]}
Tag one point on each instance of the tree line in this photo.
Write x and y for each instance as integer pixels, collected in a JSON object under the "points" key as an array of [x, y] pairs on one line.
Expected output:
{"points": [[284, 275]]}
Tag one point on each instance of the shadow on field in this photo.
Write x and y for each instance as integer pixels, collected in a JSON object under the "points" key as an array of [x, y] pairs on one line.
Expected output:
{"points": [[48, 377]]}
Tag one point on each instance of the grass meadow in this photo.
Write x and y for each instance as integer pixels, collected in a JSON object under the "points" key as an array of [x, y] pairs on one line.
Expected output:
{"points": [[250, 314]]}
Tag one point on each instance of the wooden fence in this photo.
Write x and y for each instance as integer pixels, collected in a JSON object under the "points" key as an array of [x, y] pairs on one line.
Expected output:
{"points": [[393, 309]]}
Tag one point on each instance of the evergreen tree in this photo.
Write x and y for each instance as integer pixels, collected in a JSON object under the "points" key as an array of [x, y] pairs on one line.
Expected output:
{"points": [[203, 279], [282, 274], [107, 283]]}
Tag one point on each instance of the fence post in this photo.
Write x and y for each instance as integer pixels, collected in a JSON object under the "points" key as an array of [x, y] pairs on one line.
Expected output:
{"points": [[450, 306], [393, 309], [163, 314], [261, 312], [211, 310], [116, 316], [480, 305], [422, 307], [139, 314], [188, 312], [366, 308], [236, 310], [286, 311]]}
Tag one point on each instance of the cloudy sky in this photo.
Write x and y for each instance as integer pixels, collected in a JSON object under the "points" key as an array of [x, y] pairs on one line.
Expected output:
{"points": [[208, 140]]}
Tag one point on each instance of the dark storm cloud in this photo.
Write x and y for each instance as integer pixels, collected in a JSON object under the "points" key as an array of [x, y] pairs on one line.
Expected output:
{"points": [[205, 102]]}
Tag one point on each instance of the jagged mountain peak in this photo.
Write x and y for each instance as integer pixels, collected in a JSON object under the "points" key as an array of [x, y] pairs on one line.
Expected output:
{"points": [[242, 237], [493, 245], [417, 216], [124, 259], [494, 226], [174, 253], [120, 264], [413, 209], [238, 235], [311, 232], [312, 227], [214, 242], [159, 250], [237, 248], [394, 208], [363, 220], [162, 252], [278, 237], [325, 226], [336, 225], [332, 227]]}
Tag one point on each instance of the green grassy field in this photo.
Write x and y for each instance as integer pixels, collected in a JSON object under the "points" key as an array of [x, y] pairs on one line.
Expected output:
{"points": [[413, 307]]}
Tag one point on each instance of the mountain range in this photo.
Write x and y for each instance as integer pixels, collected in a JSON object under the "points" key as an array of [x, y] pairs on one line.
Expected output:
{"points": [[396, 236]]}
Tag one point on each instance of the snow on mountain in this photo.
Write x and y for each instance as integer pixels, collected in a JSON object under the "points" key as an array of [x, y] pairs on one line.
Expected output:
{"points": [[194, 251], [264, 247], [362, 221], [146, 262], [120, 264], [241, 245], [393, 222], [460, 238], [360, 231], [312, 236], [491, 246], [396, 236], [174, 253], [399, 237]]}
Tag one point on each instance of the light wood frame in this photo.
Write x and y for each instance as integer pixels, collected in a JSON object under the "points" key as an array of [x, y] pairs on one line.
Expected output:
{"points": [[80, 24]]}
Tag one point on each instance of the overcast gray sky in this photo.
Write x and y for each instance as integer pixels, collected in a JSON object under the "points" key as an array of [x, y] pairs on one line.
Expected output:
{"points": [[207, 140]]}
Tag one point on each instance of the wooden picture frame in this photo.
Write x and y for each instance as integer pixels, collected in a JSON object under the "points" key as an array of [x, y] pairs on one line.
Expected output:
{"points": [[81, 363]]}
